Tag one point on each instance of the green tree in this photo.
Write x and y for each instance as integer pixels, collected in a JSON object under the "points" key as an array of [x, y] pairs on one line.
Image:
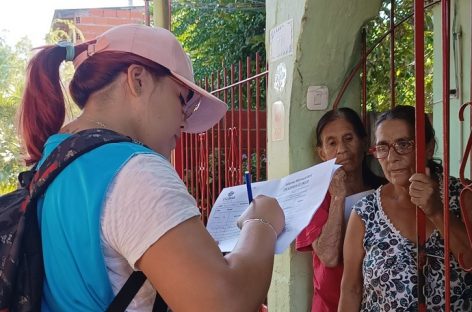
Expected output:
{"points": [[217, 32], [378, 66], [13, 62], [64, 30]]}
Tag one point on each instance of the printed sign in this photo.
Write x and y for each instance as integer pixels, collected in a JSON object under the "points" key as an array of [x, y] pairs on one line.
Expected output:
{"points": [[281, 40]]}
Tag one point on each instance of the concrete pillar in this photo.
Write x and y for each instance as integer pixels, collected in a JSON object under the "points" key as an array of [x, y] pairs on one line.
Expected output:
{"points": [[161, 13], [324, 37]]}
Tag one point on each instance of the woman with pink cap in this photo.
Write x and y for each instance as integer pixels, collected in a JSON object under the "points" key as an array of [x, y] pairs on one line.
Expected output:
{"points": [[121, 207]]}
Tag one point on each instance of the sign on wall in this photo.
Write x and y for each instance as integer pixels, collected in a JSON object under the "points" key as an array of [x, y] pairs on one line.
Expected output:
{"points": [[281, 40]]}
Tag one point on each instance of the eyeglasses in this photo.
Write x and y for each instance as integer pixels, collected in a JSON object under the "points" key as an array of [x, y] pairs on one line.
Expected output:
{"points": [[191, 104], [401, 147]]}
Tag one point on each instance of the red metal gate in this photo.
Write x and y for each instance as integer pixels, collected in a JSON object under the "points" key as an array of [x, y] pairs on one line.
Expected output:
{"points": [[209, 161], [419, 8]]}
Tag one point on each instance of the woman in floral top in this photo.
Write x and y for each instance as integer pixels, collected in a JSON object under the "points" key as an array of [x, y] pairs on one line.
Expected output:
{"points": [[380, 272]]}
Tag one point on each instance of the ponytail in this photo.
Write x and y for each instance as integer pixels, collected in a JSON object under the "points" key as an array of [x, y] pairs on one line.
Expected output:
{"points": [[42, 109]]}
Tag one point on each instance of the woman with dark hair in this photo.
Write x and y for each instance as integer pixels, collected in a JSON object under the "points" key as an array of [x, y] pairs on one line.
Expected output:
{"points": [[122, 207], [379, 250], [340, 134]]}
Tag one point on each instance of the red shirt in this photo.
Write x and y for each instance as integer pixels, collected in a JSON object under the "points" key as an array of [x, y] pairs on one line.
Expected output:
{"points": [[326, 281]]}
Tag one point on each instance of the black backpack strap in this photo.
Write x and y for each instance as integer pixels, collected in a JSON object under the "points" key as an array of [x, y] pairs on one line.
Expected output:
{"points": [[159, 304], [67, 151], [129, 290]]}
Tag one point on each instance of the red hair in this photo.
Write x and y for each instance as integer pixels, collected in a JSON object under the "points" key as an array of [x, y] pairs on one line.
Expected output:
{"points": [[42, 109]]}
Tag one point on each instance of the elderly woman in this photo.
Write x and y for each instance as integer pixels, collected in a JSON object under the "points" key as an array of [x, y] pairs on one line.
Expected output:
{"points": [[380, 271], [340, 134]]}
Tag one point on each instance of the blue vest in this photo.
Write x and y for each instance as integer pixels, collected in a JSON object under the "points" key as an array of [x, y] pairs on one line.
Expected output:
{"points": [[69, 216]]}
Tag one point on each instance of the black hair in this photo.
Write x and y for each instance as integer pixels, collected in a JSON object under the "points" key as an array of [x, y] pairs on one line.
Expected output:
{"points": [[370, 179], [406, 113]]}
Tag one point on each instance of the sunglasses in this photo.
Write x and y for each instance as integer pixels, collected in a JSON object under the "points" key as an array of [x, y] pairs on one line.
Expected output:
{"points": [[191, 103], [401, 147]]}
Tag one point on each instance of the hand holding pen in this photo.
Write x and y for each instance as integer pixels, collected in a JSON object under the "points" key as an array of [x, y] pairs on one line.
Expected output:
{"points": [[262, 209]]}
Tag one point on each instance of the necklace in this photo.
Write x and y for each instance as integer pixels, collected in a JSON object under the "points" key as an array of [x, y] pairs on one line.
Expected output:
{"points": [[98, 123]]}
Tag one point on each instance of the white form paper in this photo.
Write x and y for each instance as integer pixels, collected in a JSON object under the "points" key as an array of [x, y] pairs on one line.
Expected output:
{"points": [[300, 194], [350, 201]]}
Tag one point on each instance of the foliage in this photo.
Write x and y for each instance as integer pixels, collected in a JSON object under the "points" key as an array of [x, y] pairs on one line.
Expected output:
{"points": [[13, 62], [378, 66], [217, 32], [64, 30], [12, 71]]}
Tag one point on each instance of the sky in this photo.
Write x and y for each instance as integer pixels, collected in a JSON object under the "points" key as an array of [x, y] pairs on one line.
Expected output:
{"points": [[32, 18]]}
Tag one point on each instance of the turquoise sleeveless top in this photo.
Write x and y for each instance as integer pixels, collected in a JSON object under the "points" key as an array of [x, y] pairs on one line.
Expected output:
{"points": [[69, 213]]}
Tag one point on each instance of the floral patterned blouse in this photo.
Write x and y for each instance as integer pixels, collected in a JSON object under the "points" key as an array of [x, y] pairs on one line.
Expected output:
{"points": [[389, 266]]}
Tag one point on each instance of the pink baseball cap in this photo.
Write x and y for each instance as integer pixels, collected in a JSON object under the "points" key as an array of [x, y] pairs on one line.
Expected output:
{"points": [[160, 46]]}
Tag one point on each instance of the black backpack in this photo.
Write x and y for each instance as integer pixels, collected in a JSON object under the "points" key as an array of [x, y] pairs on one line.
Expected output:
{"points": [[21, 259]]}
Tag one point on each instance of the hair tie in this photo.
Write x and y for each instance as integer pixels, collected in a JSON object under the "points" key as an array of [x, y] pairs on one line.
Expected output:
{"points": [[70, 49]]}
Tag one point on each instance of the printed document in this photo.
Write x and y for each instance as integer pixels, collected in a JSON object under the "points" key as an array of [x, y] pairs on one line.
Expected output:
{"points": [[300, 194]]}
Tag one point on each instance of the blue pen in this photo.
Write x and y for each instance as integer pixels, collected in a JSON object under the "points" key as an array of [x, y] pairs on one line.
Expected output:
{"points": [[247, 177]]}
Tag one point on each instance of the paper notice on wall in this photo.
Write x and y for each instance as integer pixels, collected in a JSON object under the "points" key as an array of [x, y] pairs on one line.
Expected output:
{"points": [[281, 40]]}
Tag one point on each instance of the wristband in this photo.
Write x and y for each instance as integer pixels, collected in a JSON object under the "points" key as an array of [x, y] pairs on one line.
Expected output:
{"points": [[262, 221]]}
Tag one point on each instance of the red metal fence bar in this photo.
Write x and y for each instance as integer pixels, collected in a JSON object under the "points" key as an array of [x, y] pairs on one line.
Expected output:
{"points": [[233, 137], [420, 143], [248, 113], [258, 104], [225, 135], [214, 159], [219, 141], [207, 147], [187, 151], [192, 185], [445, 14], [197, 169]]}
